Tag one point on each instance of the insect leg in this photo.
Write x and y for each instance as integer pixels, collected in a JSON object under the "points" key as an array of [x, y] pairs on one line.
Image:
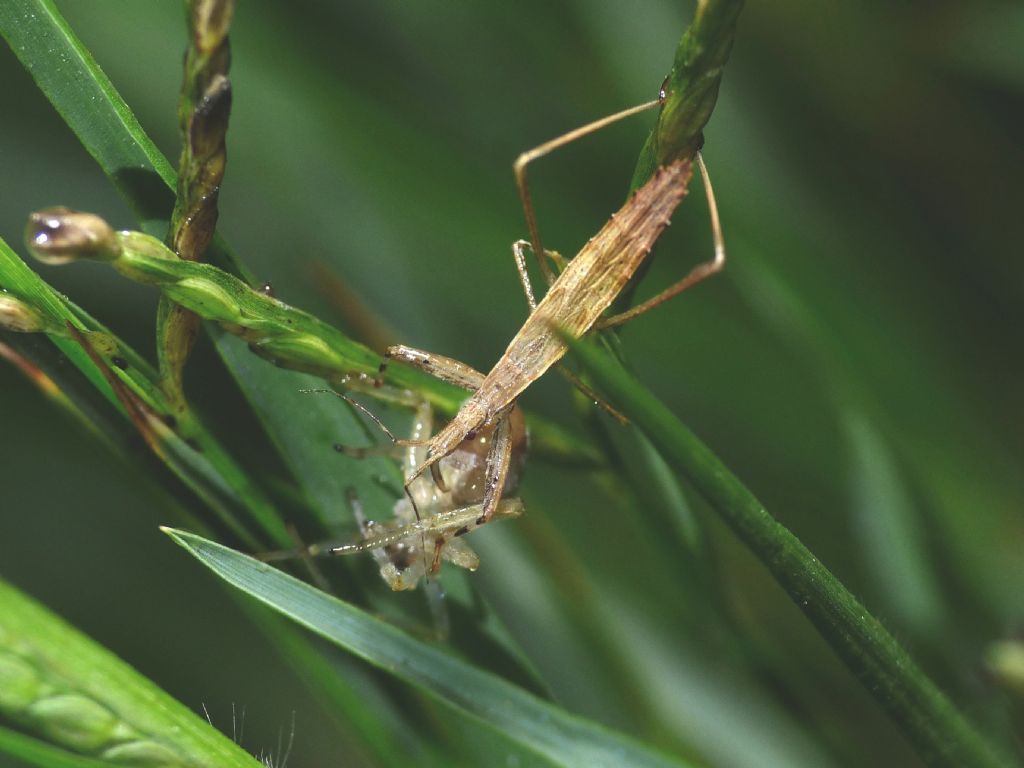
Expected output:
{"points": [[422, 429], [524, 276], [696, 275], [591, 395], [498, 460], [440, 367], [519, 167]]}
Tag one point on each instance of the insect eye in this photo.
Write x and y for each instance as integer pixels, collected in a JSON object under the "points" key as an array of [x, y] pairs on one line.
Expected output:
{"points": [[663, 91], [471, 435]]}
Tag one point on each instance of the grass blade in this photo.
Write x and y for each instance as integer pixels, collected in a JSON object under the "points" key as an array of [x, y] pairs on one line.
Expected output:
{"points": [[539, 726], [88, 102], [210, 472], [35, 752], [938, 730], [58, 683]]}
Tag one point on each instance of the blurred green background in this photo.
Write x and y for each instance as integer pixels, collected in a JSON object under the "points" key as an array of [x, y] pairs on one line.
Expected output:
{"points": [[858, 364]]}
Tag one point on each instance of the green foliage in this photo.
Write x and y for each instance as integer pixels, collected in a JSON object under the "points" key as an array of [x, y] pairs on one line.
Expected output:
{"points": [[871, 652], [58, 684], [40, 753], [535, 724]]}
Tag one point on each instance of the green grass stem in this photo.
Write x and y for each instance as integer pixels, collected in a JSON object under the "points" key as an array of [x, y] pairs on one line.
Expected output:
{"points": [[942, 735]]}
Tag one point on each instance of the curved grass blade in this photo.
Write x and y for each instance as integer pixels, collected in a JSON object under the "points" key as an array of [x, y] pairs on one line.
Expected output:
{"points": [[541, 727], [930, 720], [56, 682], [89, 104], [36, 752], [210, 472], [690, 94], [887, 519]]}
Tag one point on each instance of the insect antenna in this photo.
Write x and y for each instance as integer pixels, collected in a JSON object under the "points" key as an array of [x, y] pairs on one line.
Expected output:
{"points": [[359, 407]]}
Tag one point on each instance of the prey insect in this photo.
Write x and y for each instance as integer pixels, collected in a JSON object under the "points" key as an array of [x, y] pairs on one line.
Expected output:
{"points": [[428, 523], [576, 299]]}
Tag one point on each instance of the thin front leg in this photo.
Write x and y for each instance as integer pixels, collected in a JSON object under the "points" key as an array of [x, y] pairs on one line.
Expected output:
{"points": [[591, 395], [422, 430], [440, 367], [696, 275], [528, 157], [498, 460], [524, 276]]}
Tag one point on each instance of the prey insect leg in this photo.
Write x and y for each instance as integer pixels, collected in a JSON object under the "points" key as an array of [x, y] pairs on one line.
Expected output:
{"points": [[499, 455], [697, 274], [547, 147], [428, 523], [499, 460], [440, 367]]}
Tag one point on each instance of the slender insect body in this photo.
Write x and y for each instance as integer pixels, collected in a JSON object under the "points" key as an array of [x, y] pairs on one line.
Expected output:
{"points": [[573, 304]]}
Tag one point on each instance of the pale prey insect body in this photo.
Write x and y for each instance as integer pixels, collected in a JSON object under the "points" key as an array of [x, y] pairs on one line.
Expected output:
{"points": [[428, 521]]}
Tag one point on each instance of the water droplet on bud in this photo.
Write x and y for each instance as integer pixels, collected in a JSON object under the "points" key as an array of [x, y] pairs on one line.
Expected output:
{"points": [[59, 235]]}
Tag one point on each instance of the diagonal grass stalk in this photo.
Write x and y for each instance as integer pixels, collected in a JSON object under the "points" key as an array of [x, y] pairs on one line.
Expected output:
{"points": [[542, 727], [943, 736]]}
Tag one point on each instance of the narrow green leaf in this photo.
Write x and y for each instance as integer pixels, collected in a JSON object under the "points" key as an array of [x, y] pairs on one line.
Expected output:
{"points": [[88, 102], [210, 472], [891, 530], [890, 526], [58, 683], [561, 737], [938, 730], [36, 752]]}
